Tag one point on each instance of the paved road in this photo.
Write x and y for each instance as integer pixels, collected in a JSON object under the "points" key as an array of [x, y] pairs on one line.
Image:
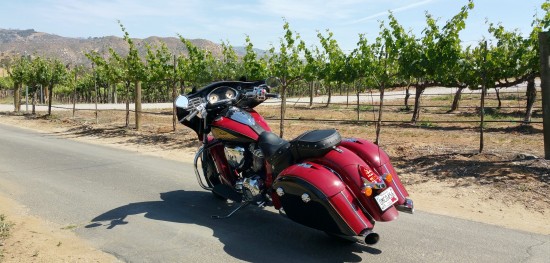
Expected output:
{"points": [[146, 209]]}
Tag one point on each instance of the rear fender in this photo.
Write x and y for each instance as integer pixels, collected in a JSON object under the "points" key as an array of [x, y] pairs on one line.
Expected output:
{"points": [[376, 158], [345, 163], [314, 196]]}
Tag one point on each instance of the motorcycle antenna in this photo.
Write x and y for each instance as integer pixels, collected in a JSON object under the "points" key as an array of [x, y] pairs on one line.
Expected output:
{"points": [[378, 123]]}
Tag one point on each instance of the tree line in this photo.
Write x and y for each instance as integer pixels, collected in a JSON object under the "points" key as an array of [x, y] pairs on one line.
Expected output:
{"points": [[395, 58]]}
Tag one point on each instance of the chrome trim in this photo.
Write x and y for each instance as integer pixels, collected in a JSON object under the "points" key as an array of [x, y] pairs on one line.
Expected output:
{"points": [[363, 209], [398, 190], [241, 116], [338, 212], [355, 211], [306, 198], [221, 92], [235, 156], [376, 186], [258, 160], [197, 173], [254, 184], [370, 237], [280, 191], [407, 207], [305, 165], [195, 102]]}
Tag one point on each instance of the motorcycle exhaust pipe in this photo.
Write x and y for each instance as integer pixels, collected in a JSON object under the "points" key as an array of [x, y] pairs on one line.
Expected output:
{"points": [[371, 238]]}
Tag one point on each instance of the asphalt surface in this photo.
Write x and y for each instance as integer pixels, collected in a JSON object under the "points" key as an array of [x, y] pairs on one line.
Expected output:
{"points": [[146, 209]]}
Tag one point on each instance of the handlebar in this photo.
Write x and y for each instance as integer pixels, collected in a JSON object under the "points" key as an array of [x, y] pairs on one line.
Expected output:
{"points": [[199, 106], [260, 93], [191, 115]]}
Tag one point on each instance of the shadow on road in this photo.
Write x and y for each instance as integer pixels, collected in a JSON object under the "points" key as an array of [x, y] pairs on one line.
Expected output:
{"points": [[252, 234]]}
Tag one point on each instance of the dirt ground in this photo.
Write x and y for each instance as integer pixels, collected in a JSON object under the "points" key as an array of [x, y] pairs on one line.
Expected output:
{"points": [[507, 185]]}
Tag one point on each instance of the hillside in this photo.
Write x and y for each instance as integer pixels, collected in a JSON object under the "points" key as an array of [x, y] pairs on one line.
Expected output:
{"points": [[15, 43]]}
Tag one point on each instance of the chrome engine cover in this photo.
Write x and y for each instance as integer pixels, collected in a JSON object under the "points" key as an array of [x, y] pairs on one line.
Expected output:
{"points": [[252, 188], [257, 158], [235, 156], [254, 184]]}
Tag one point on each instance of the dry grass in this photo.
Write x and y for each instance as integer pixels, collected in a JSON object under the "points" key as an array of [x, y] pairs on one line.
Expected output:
{"points": [[5, 228]]}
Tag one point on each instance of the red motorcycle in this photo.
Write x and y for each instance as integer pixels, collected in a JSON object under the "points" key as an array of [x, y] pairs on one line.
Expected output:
{"points": [[339, 186]]}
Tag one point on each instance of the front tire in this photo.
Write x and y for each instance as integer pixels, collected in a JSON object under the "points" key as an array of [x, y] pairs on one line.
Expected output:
{"points": [[210, 172]]}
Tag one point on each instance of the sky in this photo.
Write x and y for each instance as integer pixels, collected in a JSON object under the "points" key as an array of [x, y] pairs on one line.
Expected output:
{"points": [[232, 20]]}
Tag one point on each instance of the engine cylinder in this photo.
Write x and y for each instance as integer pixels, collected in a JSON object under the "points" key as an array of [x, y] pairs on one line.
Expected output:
{"points": [[235, 156]]}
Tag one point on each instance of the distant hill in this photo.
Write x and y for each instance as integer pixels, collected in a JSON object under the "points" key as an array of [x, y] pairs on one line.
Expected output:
{"points": [[14, 43]]}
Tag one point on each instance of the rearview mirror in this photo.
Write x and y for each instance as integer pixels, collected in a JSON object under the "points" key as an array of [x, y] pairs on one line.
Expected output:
{"points": [[182, 101], [273, 82]]}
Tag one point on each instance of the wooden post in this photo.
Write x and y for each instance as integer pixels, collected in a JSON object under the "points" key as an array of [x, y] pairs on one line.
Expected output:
{"points": [[138, 105], [544, 44], [17, 96], [26, 98], [95, 100], [50, 95], [174, 95], [74, 92], [483, 91], [380, 111]]}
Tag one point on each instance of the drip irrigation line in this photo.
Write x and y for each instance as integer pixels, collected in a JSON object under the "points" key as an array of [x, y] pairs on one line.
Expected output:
{"points": [[389, 121]]}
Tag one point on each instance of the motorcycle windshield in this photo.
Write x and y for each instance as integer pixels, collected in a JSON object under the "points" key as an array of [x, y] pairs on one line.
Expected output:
{"points": [[241, 116]]}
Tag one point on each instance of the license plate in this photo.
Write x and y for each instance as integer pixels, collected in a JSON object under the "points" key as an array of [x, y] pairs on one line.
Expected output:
{"points": [[386, 199]]}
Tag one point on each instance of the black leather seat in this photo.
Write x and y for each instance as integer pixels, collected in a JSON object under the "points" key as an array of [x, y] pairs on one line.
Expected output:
{"points": [[316, 143], [276, 151], [281, 153]]}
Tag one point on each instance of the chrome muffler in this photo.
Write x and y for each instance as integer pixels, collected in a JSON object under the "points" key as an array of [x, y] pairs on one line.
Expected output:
{"points": [[370, 237]]}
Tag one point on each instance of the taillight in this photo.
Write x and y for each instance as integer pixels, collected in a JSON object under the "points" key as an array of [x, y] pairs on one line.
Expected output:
{"points": [[371, 180], [368, 174]]}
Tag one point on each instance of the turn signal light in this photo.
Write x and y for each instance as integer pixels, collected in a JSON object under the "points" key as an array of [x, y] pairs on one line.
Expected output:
{"points": [[389, 178], [367, 191]]}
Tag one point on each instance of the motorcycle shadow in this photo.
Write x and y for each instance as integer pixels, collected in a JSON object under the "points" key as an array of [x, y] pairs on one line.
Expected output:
{"points": [[252, 234]]}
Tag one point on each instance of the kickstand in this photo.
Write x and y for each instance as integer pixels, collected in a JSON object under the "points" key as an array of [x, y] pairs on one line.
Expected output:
{"points": [[244, 204]]}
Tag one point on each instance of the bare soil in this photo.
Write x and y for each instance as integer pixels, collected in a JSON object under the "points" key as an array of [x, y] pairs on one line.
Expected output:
{"points": [[507, 185]]}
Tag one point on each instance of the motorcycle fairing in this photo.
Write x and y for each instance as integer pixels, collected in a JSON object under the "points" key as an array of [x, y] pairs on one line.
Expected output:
{"points": [[195, 123], [314, 196]]}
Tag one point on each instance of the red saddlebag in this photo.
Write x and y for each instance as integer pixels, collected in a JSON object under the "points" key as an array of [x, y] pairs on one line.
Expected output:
{"points": [[314, 196]]}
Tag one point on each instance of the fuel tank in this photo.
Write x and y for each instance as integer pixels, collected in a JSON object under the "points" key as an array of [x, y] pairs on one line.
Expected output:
{"points": [[239, 125]]}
